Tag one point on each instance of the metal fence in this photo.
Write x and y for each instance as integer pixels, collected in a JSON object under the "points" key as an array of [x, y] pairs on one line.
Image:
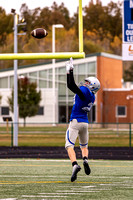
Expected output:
{"points": [[38, 134]]}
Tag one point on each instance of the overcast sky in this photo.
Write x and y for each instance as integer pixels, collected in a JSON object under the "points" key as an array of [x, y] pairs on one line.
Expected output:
{"points": [[70, 4]]}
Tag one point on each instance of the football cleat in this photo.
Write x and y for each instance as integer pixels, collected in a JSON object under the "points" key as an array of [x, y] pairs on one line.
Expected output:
{"points": [[76, 169], [86, 167]]}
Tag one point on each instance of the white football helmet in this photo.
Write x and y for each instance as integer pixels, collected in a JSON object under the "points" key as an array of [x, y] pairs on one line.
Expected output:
{"points": [[93, 84]]}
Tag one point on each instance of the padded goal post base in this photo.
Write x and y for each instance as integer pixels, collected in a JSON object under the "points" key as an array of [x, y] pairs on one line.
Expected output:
{"points": [[32, 56]]}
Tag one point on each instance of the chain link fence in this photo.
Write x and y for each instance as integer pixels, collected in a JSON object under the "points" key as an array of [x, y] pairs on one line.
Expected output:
{"points": [[39, 134]]}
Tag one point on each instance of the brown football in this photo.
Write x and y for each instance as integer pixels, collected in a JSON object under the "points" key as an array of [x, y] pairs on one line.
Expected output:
{"points": [[39, 33]]}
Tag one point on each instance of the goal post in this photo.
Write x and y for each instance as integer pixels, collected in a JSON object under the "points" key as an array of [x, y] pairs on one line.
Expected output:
{"points": [[80, 26], [56, 55], [35, 56]]}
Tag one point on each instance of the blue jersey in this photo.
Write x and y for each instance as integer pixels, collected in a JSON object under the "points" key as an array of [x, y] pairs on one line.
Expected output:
{"points": [[80, 107]]}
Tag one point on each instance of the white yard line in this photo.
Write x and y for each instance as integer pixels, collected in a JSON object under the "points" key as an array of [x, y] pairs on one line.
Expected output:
{"points": [[60, 160], [35, 196], [14, 176], [9, 199], [34, 160]]}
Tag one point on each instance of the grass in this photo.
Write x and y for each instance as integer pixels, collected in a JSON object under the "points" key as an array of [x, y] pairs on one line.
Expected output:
{"points": [[23, 179], [55, 136]]}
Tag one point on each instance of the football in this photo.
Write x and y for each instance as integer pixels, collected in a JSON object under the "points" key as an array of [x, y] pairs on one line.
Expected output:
{"points": [[39, 33]]}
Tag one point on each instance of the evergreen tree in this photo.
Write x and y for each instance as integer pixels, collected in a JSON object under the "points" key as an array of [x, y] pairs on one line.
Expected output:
{"points": [[28, 98]]}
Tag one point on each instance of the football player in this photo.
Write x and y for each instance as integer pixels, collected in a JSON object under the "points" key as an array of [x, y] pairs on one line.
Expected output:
{"points": [[78, 126]]}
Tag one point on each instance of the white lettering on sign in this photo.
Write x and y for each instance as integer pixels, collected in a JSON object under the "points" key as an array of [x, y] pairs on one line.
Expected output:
{"points": [[129, 32], [129, 38], [130, 26], [131, 3]]}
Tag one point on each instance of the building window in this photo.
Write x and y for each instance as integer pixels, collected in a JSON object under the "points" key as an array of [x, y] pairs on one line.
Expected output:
{"points": [[43, 74], [121, 111], [5, 110], [63, 112], [33, 74], [40, 110], [91, 68], [42, 84], [4, 82], [81, 68], [11, 81]]}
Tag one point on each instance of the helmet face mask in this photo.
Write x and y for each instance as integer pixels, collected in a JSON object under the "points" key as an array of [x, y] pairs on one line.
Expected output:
{"points": [[93, 84]]}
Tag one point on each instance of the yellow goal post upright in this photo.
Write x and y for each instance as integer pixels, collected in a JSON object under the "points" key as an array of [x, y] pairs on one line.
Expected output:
{"points": [[55, 55]]}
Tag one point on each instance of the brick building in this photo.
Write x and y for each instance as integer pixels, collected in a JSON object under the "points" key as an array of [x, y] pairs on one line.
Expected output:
{"points": [[109, 72], [117, 105], [114, 102]]}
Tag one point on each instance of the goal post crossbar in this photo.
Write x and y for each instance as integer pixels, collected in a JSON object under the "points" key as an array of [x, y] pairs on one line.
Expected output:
{"points": [[33, 56]]}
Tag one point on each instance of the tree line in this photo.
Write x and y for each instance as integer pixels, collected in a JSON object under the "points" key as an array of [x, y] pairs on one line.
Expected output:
{"points": [[102, 30]]}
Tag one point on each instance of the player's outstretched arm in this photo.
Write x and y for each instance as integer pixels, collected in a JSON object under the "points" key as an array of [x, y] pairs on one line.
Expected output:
{"points": [[70, 80]]}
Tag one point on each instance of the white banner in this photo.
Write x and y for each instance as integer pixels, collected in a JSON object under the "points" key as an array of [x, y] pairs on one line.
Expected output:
{"points": [[127, 51]]}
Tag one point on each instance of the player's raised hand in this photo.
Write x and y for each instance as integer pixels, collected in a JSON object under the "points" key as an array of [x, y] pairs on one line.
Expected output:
{"points": [[71, 61], [69, 65]]}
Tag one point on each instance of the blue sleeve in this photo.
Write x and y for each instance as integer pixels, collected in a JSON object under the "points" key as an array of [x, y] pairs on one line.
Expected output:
{"points": [[88, 94]]}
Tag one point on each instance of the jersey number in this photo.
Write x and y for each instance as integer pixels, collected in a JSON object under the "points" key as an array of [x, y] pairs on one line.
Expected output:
{"points": [[88, 108]]}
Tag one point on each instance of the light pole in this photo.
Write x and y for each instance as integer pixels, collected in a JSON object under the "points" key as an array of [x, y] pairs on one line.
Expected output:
{"points": [[15, 135], [53, 64]]}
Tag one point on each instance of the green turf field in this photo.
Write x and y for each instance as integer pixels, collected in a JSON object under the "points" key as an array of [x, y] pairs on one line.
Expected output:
{"points": [[23, 179]]}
